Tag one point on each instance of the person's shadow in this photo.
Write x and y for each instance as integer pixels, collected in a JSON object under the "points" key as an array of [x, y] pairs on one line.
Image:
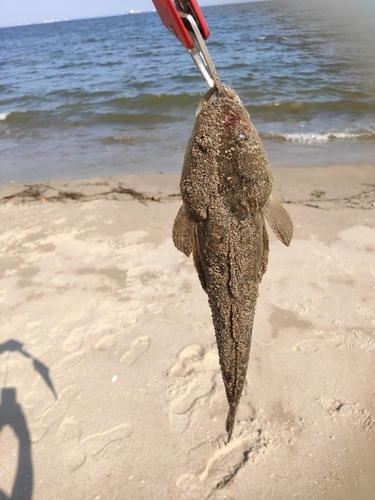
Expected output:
{"points": [[11, 415]]}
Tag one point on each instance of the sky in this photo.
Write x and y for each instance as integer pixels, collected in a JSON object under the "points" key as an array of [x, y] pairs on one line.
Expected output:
{"points": [[19, 12]]}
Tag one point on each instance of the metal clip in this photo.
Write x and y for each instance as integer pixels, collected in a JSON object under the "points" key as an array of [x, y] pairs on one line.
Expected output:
{"points": [[185, 20], [200, 54]]}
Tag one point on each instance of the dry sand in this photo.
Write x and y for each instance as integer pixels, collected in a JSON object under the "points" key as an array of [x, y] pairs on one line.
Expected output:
{"points": [[107, 344]]}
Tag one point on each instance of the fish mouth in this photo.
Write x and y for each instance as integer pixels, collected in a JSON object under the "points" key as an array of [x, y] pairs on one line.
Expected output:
{"points": [[214, 93], [208, 98], [211, 95]]}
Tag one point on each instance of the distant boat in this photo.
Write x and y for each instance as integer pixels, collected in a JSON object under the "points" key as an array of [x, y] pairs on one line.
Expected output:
{"points": [[135, 11]]}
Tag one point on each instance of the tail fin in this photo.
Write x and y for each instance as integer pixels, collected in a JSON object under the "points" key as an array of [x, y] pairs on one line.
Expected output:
{"points": [[229, 425]]}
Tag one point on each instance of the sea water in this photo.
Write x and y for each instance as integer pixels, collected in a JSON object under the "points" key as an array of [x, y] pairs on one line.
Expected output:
{"points": [[118, 95]]}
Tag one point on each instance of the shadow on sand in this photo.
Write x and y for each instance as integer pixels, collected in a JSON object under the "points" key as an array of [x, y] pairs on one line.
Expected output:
{"points": [[11, 415]]}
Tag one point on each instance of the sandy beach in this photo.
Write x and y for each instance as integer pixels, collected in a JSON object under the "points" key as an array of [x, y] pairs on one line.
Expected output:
{"points": [[110, 382]]}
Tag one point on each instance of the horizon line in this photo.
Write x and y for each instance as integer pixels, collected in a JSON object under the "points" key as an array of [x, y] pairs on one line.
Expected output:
{"points": [[131, 12]]}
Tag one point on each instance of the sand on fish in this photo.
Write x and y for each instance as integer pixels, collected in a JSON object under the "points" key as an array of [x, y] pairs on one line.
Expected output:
{"points": [[110, 381]]}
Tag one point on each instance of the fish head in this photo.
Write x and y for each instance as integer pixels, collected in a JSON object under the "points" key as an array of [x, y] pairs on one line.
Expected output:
{"points": [[244, 175]]}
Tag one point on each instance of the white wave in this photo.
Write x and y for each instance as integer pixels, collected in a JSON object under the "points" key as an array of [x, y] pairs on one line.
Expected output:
{"points": [[3, 116], [311, 138]]}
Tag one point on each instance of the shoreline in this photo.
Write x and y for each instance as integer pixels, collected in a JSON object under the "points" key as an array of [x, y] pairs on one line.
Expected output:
{"points": [[339, 184]]}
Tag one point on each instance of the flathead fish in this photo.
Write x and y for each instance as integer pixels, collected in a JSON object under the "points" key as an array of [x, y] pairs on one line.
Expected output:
{"points": [[226, 186]]}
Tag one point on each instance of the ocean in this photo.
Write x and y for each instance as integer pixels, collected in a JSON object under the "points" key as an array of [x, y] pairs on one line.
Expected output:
{"points": [[118, 95]]}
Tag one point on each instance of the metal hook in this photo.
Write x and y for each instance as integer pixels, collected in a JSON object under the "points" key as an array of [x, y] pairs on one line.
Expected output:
{"points": [[184, 19], [200, 54]]}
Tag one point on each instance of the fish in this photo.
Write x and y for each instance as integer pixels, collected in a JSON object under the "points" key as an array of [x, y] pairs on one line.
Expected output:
{"points": [[226, 190]]}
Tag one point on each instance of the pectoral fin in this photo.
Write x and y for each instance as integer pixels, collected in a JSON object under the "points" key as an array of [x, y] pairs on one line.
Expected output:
{"points": [[183, 232], [279, 220]]}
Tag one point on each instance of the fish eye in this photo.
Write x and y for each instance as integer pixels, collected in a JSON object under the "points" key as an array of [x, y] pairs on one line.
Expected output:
{"points": [[240, 137]]}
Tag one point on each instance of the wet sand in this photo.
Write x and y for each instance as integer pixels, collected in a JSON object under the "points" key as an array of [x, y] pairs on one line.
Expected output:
{"points": [[109, 374]]}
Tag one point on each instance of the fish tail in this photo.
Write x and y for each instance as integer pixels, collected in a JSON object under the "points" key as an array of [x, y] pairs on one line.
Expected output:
{"points": [[229, 425]]}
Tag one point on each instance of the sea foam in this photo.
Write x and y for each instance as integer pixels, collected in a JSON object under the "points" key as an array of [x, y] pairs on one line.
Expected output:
{"points": [[309, 138]]}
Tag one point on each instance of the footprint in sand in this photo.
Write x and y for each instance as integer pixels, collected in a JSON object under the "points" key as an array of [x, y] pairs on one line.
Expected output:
{"points": [[257, 438], [137, 348], [315, 344], [75, 450], [196, 391], [220, 468], [193, 382], [352, 338], [155, 307], [52, 414], [109, 339], [67, 362], [106, 342], [369, 346], [69, 434], [74, 341]]}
